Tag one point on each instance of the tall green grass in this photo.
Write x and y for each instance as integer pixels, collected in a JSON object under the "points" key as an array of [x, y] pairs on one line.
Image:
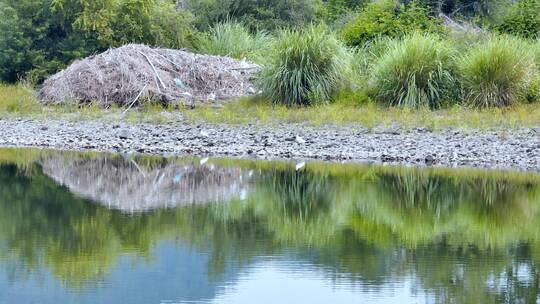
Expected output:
{"points": [[497, 73], [304, 67], [233, 39], [536, 53], [18, 99], [416, 71]]}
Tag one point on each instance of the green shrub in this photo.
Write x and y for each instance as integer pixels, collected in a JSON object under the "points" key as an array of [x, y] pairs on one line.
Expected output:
{"points": [[497, 73], [234, 40], [522, 19], [388, 18], [533, 91], [304, 67], [416, 71]]}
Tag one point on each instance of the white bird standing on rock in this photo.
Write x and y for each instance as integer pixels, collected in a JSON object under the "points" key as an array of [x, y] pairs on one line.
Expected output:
{"points": [[300, 140]]}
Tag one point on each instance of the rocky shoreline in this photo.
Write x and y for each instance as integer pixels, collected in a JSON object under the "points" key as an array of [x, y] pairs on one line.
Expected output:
{"points": [[510, 149]]}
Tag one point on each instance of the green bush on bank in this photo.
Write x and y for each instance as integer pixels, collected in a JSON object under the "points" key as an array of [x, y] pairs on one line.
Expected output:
{"points": [[233, 39], [498, 72], [304, 67], [416, 71], [389, 18], [521, 19]]}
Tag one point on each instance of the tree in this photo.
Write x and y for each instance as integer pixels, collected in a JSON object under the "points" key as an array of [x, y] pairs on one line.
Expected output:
{"points": [[12, 61], [39, 37]]}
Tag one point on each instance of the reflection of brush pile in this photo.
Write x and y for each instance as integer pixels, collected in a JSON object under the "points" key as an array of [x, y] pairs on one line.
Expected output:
{"points": [[122, 184], [135, 73]]}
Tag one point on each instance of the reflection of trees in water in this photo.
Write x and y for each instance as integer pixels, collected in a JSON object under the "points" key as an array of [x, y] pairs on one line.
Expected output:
{"points": [[470, 275], [466, 238], [40, 216]]}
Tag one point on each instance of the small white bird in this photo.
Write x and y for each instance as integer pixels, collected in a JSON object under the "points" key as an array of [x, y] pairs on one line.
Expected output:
{"points": [[204, 160], [300, 166], [244, 64], [204, 134], [300, 140]]}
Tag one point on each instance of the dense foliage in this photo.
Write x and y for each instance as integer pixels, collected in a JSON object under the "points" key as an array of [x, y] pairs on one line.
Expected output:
{"points": [[388, 18], [466, 8], [256, 14], [44, 35], [522, 19]]}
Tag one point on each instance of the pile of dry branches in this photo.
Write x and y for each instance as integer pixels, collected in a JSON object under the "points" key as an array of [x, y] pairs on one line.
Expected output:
{"points": [[133, 74]]}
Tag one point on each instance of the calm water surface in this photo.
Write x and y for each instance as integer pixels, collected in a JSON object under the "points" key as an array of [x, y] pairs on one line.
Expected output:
{"points": [[94, 228]]}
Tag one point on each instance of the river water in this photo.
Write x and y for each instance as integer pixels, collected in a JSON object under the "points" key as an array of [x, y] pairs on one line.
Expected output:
{"points": [[100, 228]]}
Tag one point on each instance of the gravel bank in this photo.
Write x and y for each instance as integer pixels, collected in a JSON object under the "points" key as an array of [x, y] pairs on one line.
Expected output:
{"points": [[518, 149]]}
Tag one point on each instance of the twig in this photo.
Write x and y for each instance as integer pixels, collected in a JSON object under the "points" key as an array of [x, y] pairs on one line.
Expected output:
{"points": [[138, 168], [155, 71], [244, 69], [167, 59], [135, 100]]}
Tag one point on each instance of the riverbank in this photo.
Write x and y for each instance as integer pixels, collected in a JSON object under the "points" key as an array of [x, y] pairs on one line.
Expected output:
{"points": [[451, 147]]}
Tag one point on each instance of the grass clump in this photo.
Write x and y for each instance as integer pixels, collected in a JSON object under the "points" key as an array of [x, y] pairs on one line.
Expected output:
{"points": [[304, 67], [497, 73], [416, 71], [18, 99], [233, 39]]}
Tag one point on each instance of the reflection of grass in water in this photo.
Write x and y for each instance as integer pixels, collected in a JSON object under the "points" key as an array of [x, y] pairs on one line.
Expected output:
{"points": [[370, 221], [300, 195], [422, 208]]}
